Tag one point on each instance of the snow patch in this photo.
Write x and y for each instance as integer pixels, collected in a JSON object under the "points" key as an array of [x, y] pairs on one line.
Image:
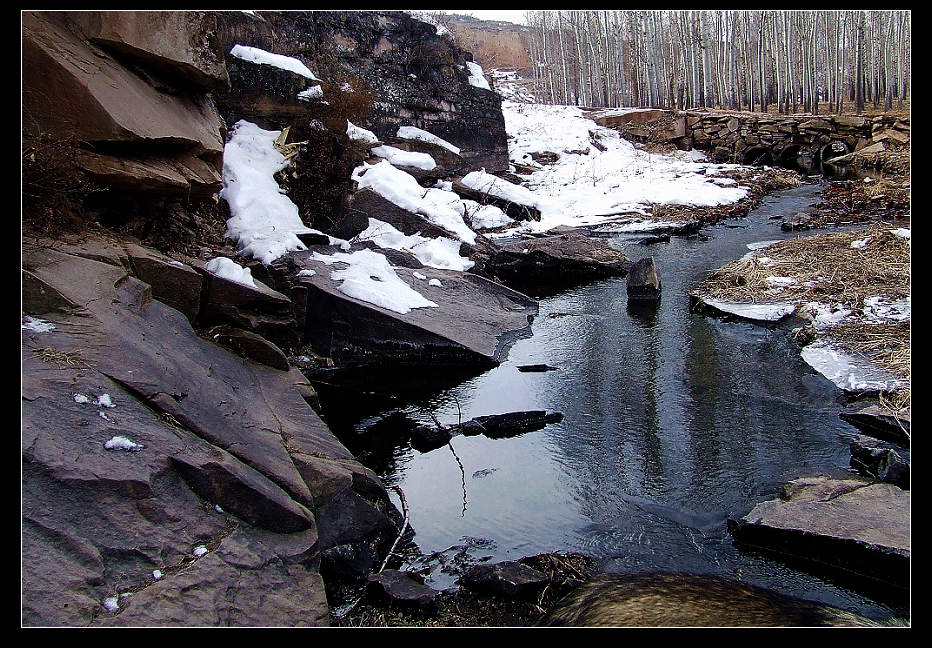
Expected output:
{"points": [[848, 372], [230, 269], [371, 279], [199, 550], [311, 94], [442, 208], [824, 315], [440, 252], [860, 243], [112, 603], [761, 312], [435, 282], [123, 443], [399, 157], [264, 221], [476, 76], [256, 55], [37, 325], [413, 133], [883, 309], [360, 134], [901, 232], [157, 574], [306, 273]]}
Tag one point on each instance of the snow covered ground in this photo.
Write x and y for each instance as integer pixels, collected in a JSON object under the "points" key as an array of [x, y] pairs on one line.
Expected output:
{"points": [[585, 183]]}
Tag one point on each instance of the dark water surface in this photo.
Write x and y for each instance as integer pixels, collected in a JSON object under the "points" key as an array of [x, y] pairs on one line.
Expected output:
{"points": [[673, 422]]}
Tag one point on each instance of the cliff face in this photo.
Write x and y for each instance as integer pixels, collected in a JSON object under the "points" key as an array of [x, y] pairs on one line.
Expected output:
{"points": [[410, 75], [494, 43]]}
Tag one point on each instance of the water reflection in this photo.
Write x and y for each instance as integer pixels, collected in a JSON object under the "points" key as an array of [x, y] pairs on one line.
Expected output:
{"points": [[673, 422]]}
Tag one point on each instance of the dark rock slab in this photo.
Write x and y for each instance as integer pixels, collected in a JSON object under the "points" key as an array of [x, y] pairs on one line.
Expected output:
{"points": [[880, 463], [644, 281], [253, 346], [657, 238], [425, 438], [173, 283], [879, 423], [260, 309], [402, 589], [509, 579], [550, 263], [370, 204], [474, 325], [851, 526]]}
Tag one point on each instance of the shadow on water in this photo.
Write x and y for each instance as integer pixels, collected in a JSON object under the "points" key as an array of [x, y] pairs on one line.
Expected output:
{"points": [[674, 422]]}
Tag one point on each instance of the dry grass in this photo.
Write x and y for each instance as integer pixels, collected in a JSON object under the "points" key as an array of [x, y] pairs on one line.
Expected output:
{"points": [[828, 270], [825, 267], [60, 358]]}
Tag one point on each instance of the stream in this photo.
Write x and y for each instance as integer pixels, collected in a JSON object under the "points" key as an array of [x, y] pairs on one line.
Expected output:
{"points": [[674, 422]]}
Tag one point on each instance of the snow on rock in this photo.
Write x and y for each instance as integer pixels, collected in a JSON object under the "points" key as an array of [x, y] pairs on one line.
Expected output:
{"points": [[230, 269], [883, 309], [413, 133], [81, 398], [157, 574], [762, 312], [199, 550], [104, 400], [368, 277], [442, 208], [256, 55], [418, 275], [848, 372], [360, 134], [440, 252], [501, 188], [37, 325], [435, 282], [399, 157], [112, 603], [634, 226], [123, 443], [306, 273], [311, 94], [264, 221], [485, 216], [476, 76], [860, 243]]}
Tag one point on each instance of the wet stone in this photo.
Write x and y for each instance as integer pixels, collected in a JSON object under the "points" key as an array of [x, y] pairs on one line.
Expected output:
{"points": [[401, 588], [510, 579]]}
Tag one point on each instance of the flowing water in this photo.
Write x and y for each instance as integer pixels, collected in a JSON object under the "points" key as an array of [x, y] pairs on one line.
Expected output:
{"points": [[674, 421]]}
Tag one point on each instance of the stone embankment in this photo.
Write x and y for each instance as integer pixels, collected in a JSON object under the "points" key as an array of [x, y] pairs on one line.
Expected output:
{"points": [[756, 138]]}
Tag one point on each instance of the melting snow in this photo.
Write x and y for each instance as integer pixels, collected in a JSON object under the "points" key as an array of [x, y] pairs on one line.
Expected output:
{"points": [[199, 550], [440, 252], [104, 400], [112, 603], [901, 232], [780, 281], [311, 94], [399, 157], [229, 269], [413, 133], [418, 275], [37, 325], [762, 312], [81, 398], [443, 208], [824, 315], [256, 55], [157, 574], [123, 443], [370, 278], [435, 282], [846, 371], [882, 309], [306, 273], [860, 243], [264, 221], [476, 76], [360, 134]]}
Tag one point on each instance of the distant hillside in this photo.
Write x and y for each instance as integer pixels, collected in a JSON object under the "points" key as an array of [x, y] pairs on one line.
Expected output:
{"points": [[493, 43]]}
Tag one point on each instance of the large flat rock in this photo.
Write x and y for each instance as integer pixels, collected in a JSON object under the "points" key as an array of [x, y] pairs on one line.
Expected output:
{"points": [[547, 264], [853, 526], [142, 441], [474, 324]]}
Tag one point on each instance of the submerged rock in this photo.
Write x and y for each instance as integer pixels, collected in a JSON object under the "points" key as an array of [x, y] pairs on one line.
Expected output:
{"points": [[848, 526], [504, 426]]}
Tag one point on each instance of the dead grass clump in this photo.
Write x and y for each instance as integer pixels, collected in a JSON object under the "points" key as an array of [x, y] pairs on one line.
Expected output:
{"points": [[60, 358], [825, 268], [884, 344]]}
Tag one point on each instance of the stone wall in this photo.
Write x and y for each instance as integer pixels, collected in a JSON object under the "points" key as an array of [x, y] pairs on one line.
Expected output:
{"points": [[755, 138]]}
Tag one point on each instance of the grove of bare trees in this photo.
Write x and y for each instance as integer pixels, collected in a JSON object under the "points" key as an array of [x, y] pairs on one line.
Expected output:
{"points": [[789, 61]]}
